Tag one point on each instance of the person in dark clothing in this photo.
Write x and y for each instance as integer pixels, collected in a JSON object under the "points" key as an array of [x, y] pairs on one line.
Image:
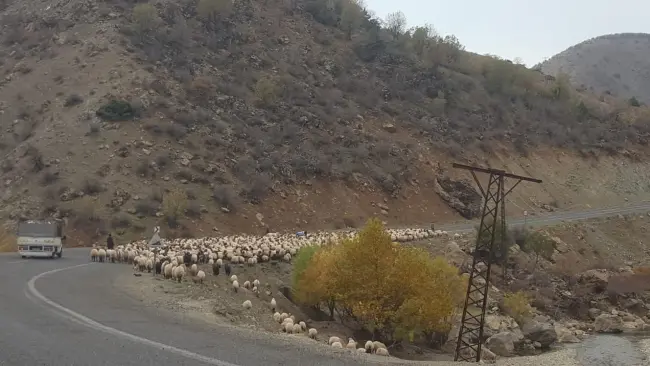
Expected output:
{"points": [[109, 242]]}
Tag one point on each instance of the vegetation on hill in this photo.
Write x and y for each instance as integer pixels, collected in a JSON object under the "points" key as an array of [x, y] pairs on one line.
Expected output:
{"points": [[613, 64], [241, 99]]}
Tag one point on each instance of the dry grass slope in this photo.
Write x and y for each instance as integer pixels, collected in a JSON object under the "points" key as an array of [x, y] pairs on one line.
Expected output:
{"points": [[614, 64], [292, 113]]}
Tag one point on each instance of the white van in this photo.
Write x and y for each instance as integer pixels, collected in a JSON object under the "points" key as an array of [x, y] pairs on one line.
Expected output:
{"points": [[40, 238]]}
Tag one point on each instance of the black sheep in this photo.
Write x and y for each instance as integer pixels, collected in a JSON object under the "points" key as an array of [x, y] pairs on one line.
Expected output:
{"points": [[215, 269], [226, 267], [187, 258], [159, 268]]}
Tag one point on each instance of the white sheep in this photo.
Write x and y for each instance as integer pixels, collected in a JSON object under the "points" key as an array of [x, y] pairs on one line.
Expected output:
{"points": [[274, 304], [351, 344], [200, 276], [256, 283], [303, 325], [333, 339], [101, 254], [247, 304], [337, 345], [368, 346], [94, 255], [247, 284], [194, 269], [235, 285], [312, 333], [297, 329], [288, 327], [233, 278], [361, 350], [277, 317], [381, 351]]}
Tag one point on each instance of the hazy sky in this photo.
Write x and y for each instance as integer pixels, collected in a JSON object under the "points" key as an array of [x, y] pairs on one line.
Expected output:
{"points": [[531, 30]]}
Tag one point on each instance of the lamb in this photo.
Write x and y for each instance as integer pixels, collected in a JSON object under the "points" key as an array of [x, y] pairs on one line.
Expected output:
{"points": [[235, 285], [297, 329], [247, 284], [194, 269], [277, 317], [368, 346], [247, 304], [200, 276], [312, 333], [273, 304], [94, 255], [381, 351], [215, 269], [351, 344], [303, 326]]}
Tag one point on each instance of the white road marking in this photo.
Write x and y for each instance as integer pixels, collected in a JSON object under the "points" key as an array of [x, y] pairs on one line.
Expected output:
{"points": [[31, 290]]}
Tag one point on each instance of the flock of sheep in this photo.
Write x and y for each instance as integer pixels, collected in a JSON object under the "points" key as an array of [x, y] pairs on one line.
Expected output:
{"points": [[179, 258]]}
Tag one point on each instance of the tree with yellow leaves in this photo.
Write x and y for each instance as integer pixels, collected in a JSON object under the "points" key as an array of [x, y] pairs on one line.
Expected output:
{"points": [[174, 204], [313, 278]]}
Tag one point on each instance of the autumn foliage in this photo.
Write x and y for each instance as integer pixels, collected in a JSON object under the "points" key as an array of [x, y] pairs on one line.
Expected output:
{"points": [[7, 241], [394, 291]]}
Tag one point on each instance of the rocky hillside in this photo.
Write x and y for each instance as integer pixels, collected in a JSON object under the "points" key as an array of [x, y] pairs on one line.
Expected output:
{"points": [[211, 115], [614, 64]]}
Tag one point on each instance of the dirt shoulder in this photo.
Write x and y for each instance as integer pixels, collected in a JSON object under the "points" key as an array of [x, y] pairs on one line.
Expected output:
{"points": [[220, 307]]}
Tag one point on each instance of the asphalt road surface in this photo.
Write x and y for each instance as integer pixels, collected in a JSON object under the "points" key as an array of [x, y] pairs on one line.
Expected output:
{"points": [[69, 312]]}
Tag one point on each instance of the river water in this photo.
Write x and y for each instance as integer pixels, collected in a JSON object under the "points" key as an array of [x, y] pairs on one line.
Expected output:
{"points": [[612, 350]]}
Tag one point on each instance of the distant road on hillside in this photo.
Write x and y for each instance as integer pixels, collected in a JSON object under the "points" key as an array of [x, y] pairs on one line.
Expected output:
{"points": [[553, 218]]}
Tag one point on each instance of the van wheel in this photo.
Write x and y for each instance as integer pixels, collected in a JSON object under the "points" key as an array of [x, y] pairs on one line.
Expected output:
{"points": [[23, 256], [60, 253]]}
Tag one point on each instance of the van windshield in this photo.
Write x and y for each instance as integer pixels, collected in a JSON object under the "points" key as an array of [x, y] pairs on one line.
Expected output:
{"points": [[38, 230]]}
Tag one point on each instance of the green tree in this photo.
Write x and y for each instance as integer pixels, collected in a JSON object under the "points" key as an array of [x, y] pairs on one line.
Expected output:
{"points": [[212, 11], [538, 244], [634, 102], [351, 16], [145, 18]]}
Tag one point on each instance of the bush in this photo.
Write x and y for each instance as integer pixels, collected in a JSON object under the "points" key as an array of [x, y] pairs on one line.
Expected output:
{"points": [[393, 291], [225, 196], [117, 110], [538, 244], [502, 242], [72, 100], [517, 305], [174, 204], [92, 187]]}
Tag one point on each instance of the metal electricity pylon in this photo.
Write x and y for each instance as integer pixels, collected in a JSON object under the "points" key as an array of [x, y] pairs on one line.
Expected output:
{"points": [[470, 334]]}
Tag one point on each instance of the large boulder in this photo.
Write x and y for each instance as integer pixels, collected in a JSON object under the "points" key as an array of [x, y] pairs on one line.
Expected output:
{"points": [[541, 332], [459, 195], [607, 323], [504, 343], [565, 335]]}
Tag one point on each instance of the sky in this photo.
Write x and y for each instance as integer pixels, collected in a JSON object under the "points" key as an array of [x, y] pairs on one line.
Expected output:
{"points": [[530, 30]]}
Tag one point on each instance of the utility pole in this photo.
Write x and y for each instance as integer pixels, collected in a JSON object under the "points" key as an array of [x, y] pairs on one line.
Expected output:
{"points": [[470, 334]]}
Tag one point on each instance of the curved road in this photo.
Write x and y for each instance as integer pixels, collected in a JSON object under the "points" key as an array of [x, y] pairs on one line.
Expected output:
{"points": [[70, 312]]}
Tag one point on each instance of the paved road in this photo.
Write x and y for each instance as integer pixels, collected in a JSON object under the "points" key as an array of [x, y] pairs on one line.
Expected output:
{"points": [[556, 217], [70, 312], [50, 315]]}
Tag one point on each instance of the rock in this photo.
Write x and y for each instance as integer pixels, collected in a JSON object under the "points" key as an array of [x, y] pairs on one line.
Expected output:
{"points": [[504, 343], [606, 323], [564, 335], [185, 162], [460, 195], [593, 313], [541, 332], [225, 210], [537, 345], [389, 127], [499, 323], [488, 356]]}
